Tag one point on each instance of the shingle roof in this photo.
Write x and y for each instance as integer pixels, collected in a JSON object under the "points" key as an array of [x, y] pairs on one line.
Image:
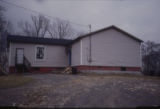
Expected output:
{"points": [[107, 28], [48, 41]]}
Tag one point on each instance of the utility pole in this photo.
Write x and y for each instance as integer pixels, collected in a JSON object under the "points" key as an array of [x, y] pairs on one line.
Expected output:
{"points": [[90, 28]]}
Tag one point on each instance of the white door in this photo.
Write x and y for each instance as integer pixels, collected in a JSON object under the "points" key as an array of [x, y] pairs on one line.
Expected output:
{"points": [[20, 54]]}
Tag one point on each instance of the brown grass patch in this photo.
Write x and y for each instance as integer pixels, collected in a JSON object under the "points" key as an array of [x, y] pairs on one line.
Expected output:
{"points": [[113, 75], [12, 81]]}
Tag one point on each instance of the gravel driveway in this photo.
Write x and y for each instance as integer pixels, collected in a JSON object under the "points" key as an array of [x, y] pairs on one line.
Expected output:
{"points": [[53, 90]]}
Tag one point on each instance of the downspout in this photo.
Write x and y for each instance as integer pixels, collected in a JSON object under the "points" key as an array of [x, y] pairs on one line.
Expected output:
{"points": [[81, 52]]}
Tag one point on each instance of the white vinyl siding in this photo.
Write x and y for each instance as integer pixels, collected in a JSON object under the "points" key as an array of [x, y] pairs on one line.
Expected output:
{"points": [[55, 56], [76, 54], [112, 48]]}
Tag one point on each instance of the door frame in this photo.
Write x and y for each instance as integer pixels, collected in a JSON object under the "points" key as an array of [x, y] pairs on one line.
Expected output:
{"points": [[16, 55]]}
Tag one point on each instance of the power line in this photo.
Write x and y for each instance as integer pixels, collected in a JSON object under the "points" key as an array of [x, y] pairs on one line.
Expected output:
{"points": [[33, 11]]}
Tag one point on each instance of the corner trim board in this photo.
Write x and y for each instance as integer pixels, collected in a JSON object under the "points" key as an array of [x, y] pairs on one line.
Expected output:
{"points": [[81, 52]]}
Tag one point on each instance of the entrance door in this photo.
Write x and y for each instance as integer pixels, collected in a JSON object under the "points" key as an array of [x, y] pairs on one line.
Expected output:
{"points": [[19, 55]]}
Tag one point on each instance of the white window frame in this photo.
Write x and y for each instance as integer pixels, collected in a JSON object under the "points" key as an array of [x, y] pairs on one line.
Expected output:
{"points": [[36, 53]]}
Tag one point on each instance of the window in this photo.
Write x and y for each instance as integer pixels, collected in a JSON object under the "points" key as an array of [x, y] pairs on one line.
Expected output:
{"points": [[40, 53]]}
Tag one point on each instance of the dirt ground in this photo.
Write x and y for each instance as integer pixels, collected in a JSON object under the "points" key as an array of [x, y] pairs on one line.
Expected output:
{"points": [[53, 90]]}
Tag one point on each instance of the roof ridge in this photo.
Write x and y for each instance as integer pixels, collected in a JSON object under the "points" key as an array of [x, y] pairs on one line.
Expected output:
{"points": [[109, 27]]}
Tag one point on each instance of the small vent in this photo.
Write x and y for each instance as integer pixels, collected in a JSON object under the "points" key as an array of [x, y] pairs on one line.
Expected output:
{"points": [[123, 68]]}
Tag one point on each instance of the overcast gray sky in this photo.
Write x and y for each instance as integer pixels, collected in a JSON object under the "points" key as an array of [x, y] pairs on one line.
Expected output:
{"points": [[138, 17]]}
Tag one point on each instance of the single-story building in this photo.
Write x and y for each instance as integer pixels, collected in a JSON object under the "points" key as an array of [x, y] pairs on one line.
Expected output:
{"points": [[108, 49]]}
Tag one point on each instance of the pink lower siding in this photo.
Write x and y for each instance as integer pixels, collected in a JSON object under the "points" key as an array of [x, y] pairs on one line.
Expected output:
{"points": [[49, 69], [115, 68], [133, 69], [39, 69]]}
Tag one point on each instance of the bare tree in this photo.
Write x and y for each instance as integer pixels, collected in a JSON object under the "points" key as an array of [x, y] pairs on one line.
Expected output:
{"points": [[41, 26], [38, 28], [27, 28], [2, 21], [5, 25], [151, 58], [9, 27], [3, 43], [61, 29]]}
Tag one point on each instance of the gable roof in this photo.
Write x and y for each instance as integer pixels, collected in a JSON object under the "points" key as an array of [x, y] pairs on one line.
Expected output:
{"points": [[107, 28], [35, 40], [51, 41]]}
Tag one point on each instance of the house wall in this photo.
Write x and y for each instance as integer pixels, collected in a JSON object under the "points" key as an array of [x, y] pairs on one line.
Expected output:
{"points": [[75, 59], [111, 48], [55, 56]]}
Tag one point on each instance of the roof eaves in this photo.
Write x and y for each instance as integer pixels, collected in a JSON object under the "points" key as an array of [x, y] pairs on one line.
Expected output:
{"points": [[128, 34], [112, 26], [24, 39]]}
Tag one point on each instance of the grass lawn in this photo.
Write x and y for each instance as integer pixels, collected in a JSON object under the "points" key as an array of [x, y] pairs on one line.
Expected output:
{"points": [[11, 81]]}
